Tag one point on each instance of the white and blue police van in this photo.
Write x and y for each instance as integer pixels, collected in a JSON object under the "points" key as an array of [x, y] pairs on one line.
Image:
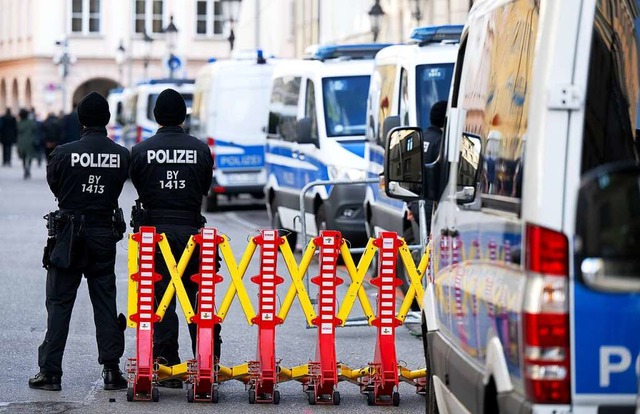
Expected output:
{"points": [[230, 103], [115, 98], [139, 101], [407, 80], [533, 301], [316, 131]]}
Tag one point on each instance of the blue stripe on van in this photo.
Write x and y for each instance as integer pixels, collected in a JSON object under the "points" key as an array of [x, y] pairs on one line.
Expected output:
{"points": [[252, 157], [354, 147], [607, 343]]}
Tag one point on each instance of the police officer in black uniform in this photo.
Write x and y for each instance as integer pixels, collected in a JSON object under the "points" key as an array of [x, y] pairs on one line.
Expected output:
{"points": [[172, 171], [86, 177]]}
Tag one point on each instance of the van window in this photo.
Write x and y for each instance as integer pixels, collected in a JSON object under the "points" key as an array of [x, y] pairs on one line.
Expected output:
{"points": [[310, 109], [345, 105], [283, 108], [432, 85], [613, 89], [386, 76], [498, 58]]}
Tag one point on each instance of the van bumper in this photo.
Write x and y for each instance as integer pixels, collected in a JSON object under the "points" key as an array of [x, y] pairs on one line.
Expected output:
{"points": [[253, 189], [345, 212]]}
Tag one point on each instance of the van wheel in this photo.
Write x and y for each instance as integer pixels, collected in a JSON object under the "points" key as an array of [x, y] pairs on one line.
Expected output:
{"points": [[212, 203], [321, 219], [432, 404], [292, 236]]}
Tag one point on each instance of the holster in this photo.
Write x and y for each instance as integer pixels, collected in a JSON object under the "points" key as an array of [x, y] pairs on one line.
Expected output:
{"points": [[67, 248], [119, 224]]}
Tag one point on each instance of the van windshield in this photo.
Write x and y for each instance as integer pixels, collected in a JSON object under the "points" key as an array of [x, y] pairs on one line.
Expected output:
{"points": [[345, 105], [151, 103], [432, 85]]}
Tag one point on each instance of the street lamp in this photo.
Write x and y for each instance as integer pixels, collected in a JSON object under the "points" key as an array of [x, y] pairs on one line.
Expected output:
{"points": [[146, 54], [376, 14], [416, 13], [63, 60], [120, 58], [231, 10], [171, 33]]}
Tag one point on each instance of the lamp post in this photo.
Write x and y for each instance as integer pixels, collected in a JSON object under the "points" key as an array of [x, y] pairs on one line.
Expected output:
{"points": [[376, 14], [231, 10], [171, 33], [120, 59], [146, 54], [63, 60], [416, 13]]}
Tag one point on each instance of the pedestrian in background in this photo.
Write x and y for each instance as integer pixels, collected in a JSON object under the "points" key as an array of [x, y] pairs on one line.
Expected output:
{"points": [[172, 172], [9, 136], [86, 177], [27, 136], [52, 133], [38, 142], [71, 126]]}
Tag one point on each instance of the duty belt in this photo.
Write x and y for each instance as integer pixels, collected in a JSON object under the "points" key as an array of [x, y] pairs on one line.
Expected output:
{"points": [[178, 217], [93, 218]]}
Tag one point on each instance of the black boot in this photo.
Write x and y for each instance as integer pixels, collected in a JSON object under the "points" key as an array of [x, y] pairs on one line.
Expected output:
{"points": [[113, 378], [45, 382]]}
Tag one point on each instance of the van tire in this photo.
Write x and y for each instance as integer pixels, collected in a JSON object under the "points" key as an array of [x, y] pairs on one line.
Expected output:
{"points": [[432, 403], [276, 224], [212, 203]]}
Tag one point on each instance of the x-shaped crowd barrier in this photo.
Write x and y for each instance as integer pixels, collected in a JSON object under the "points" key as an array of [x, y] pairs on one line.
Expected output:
{"points": [[320, 377]]}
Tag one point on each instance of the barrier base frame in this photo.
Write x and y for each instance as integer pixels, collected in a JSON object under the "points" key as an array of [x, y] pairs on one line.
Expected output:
{"points": [[133, 393]]}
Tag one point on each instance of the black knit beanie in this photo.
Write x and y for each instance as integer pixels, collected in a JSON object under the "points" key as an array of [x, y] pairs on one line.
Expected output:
{"points": [[93, 110], [438, 113], [170, 109]]}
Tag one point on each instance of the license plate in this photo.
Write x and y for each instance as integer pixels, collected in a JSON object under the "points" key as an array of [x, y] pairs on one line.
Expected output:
{"points": [[242, 178]]}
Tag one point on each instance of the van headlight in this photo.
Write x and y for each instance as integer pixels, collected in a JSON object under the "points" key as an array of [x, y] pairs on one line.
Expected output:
{"points": [[352, 174]]}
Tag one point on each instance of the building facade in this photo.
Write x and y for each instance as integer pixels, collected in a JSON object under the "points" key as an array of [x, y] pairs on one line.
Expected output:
{"points": [[52, 52], [105, 46]]}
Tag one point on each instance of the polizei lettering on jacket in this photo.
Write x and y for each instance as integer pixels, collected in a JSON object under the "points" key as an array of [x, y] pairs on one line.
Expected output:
{"points": [[95, 160], [173, 156]]}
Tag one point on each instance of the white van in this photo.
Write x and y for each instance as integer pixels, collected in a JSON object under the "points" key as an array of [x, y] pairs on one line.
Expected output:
{"points": [[533, 304], [407, 80], [316, 131], [140, 123], [230, 104]]}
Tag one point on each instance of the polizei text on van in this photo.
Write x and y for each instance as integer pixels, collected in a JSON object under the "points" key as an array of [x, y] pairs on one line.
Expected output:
{"points": [[173, 156]]}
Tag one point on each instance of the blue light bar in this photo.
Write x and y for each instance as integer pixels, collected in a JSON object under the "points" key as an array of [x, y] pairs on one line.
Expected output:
{"points": [[174, 80], [352, 51], [436, 34]]}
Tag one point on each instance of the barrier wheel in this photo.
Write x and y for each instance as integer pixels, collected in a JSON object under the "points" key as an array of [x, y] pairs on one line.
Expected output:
{"points": [[190, 394], [396, 398], [276, 397], [252, 396], [155, 394], [215, 396], [130, 394], [371, 398], [312, 398], [335, 398]]}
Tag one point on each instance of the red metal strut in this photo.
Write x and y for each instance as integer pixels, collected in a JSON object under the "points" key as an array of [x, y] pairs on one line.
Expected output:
{"points": [[264, 371], [140, 370], [202, 382], [381, 386], [323, 372]]}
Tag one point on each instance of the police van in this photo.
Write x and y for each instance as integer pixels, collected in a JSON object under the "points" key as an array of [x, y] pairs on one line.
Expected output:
{"points": [[316, 131], [533, 303], [229, 105], [139, 121], [116, 98], [407, 80]]}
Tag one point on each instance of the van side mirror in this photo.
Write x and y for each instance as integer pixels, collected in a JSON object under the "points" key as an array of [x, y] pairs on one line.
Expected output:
{"points": [[404, 160], [608, 228], [303, 131], [469, 167]]}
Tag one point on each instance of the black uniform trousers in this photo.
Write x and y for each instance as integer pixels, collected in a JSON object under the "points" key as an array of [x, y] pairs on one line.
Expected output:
{"points": [[165, 335], [99, 246]]}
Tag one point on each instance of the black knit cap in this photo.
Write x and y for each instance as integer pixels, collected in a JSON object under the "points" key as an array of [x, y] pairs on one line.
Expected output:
{"points": [[438, 113], [93, 110], [170, 109]]}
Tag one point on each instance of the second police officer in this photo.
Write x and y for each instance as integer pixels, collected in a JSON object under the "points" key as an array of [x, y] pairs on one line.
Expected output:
{"points": [[86, 177], [172, 172]]}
